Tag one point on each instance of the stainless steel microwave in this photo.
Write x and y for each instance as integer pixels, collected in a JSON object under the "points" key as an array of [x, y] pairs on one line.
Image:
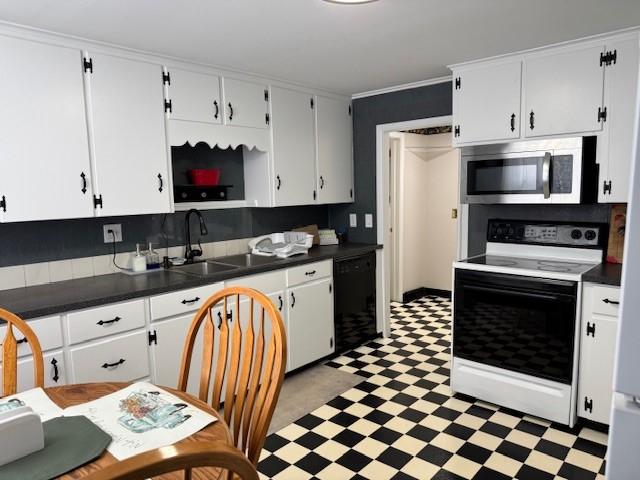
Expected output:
{"points": [[540, 171]]}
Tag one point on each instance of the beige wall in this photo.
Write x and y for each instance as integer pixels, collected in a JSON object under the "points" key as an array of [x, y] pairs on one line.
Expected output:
{"points": [[429, 190]]}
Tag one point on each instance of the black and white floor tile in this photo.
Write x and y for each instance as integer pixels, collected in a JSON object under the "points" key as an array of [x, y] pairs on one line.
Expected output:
{"points": [[403, 422]]}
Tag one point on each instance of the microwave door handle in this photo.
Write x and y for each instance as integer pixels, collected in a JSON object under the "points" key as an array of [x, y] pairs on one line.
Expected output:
{"points": [[546, 174]]}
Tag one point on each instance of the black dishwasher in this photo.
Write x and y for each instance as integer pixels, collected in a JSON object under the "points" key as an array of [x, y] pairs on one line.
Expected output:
{"points": [[354, 279]]}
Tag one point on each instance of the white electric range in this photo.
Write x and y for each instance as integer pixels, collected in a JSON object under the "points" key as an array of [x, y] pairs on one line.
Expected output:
{"points": [[516, 312]]}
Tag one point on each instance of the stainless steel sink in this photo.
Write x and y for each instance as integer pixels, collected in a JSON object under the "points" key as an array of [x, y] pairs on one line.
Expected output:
{"points": [[244, 260], [204, 269]]}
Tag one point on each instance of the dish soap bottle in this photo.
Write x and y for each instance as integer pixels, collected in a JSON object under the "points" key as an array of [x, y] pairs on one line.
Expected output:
{"points": [[153, 258], [139, 261]]}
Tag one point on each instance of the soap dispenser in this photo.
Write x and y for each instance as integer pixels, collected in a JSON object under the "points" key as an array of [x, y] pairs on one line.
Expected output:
{"points": [[153, 258], [139, 262]]}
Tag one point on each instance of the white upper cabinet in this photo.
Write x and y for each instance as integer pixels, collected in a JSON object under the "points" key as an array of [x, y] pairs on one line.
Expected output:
{"points": [[335, 153], [615, 144], [127, 114], [193, 96], [245, 103], [486, 102], [294, 172], [44, 151], [563, 92]]}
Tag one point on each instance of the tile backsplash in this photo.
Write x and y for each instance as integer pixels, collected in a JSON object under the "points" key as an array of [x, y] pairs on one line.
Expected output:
{"points": [[32, 274]]}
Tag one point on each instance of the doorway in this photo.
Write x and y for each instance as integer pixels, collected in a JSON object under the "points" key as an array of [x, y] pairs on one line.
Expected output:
{"points": [[391, 207]]}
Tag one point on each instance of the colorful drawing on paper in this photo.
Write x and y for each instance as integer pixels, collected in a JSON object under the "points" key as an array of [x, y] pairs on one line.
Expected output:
{"points": [[145, 411]]}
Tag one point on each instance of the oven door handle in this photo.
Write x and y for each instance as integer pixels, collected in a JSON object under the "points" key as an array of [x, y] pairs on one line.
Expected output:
{"points": [[546, 175], [539, 296]]}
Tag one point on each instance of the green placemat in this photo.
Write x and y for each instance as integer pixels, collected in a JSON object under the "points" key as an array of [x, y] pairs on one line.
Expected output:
{"points": [[69, 442]]}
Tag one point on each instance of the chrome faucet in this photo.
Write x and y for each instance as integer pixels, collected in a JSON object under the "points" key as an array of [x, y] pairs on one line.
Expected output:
{"points": [[191, 253]]}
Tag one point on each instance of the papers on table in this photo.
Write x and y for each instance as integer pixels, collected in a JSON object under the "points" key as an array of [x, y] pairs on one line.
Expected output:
{"points": [[35, 398], [142, 417]]}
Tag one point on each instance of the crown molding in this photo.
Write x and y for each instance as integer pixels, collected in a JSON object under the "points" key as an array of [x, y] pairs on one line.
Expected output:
{"points": [[404, 86]]}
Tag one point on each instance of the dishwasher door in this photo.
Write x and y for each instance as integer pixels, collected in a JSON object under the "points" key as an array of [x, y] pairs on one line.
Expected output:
{"points": [[355, 301]]}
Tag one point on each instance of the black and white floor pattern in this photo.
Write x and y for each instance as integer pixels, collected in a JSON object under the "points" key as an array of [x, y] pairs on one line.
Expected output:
{"points": [[403, 422]]}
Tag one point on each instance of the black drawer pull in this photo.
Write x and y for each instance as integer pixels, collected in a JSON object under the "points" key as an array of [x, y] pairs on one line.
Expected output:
{"points": [[312, 272], [56, 375], [22, 340], [281, 302], [194, 300], [109, 322], [215, 104], [293, 300], [612, 302], [116, 364]]}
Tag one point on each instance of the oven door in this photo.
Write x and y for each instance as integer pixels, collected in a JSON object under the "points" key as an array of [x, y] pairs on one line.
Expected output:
{"points": [[551, 176], [523, 324]]}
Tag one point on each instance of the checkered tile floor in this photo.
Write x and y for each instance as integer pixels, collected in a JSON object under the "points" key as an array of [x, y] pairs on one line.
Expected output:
{"points": [[403, 422]]}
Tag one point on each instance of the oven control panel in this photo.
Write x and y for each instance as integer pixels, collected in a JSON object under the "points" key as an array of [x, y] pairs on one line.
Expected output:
{"points": [[513, 231]]}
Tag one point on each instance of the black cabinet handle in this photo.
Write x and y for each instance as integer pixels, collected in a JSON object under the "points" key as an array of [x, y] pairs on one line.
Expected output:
{"points": [[84, 182], [215, 104], [115, 364], [513, 122], [193, 300], [109, 322], [22, 340], [56, 375], [293, 300], [281, 302], [612, 302], [321, 182], [531, 120], [161, 183], [279, 182], [219, 320], [230, 112], [312, 272]]}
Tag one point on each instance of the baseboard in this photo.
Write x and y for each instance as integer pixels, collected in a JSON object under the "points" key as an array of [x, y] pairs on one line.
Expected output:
{"points": [[417, 293]]}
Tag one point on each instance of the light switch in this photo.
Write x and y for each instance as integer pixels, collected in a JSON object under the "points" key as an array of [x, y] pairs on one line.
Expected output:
{"points": [[353, 220], [368, 220]]}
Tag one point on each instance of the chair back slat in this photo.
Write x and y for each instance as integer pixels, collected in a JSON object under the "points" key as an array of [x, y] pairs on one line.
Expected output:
{"points": [[207, 352], [10, 353], [250, 380]]}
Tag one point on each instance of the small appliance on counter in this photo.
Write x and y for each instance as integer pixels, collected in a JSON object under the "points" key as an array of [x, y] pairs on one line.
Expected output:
{"points": [[516, 316], [282, 245]]}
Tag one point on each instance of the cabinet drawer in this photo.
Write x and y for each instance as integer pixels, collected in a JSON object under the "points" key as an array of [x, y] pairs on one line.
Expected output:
{"points": [[606, 300], [119, 359], [311, 271], [98, 322], [47, 329], [183, 301], [54, 371], [265, 283]]}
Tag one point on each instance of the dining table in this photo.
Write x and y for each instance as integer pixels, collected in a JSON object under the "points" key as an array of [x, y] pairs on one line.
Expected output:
{"points": [[70, 395]]}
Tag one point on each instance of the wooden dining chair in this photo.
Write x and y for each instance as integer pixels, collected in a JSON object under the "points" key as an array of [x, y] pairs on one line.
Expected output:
{"points": [[185, 457], [248, 365], [10, 352]]}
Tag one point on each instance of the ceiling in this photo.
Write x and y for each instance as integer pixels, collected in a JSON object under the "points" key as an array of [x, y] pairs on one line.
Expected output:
{"points": [[342, 48]]}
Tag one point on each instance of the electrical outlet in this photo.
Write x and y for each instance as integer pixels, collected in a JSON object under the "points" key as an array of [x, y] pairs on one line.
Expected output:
{"points": [[368, 220], [117, 231], [353, 220]]}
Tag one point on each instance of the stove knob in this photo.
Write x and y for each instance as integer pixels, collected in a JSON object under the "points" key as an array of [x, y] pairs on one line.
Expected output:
{"points": [[576, 234], [590, 235]]}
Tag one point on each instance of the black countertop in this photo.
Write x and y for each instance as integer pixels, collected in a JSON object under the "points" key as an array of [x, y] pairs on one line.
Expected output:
{"points": [[606, 273], [59, 297]]}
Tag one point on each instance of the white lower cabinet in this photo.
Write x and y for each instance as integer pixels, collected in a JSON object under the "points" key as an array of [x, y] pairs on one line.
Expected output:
{"points": [[54, 371], [114, 359], [310, 322], [598, 331]]}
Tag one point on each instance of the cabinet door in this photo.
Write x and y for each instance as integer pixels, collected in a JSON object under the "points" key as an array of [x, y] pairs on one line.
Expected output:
{"points": [[44, 149], [335, 159], [54, 371], [130, 149], [194, 96], [293, 147], [486, 103], [167, 352], [615, 144], [245, 103], [597, 349], [563, 91], [310, 322]]}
